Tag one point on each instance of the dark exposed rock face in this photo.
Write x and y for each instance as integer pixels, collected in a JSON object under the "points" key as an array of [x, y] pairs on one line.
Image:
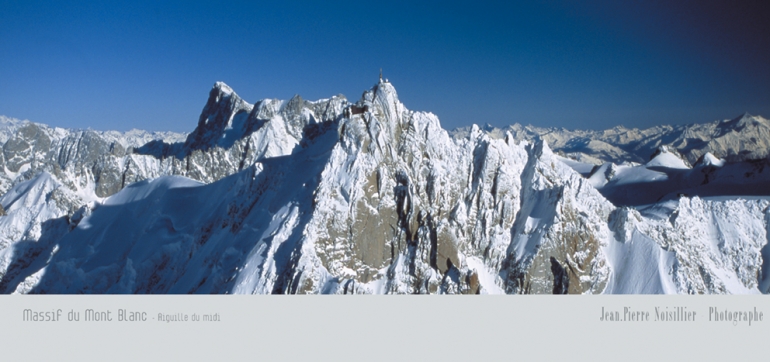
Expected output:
{"points": [[560, 279], [334, 197]]}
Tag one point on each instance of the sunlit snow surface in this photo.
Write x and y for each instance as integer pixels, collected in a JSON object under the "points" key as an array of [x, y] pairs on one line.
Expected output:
{"points": [[367, 197]]}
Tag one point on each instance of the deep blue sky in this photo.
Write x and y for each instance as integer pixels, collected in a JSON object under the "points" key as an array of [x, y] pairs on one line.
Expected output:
{"points": [[594, 65]]}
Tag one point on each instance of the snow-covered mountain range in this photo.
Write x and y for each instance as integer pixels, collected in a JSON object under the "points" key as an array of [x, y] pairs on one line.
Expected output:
{"points": [[333, 196], [744, 138]]}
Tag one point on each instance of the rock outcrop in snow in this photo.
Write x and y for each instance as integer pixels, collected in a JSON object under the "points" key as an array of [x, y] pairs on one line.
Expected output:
{"points": [[338, 197]]}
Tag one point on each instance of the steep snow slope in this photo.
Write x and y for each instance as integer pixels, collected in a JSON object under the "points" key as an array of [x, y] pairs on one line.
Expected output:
{"points": [[88, 166], [368, 197], [704, 246]]}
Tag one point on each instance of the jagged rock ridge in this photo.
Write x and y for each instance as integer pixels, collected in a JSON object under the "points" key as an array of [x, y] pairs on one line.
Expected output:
{"points": [[368, 197]]}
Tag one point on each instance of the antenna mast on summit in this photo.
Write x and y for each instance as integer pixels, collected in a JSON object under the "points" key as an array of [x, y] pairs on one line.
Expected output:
{"points": [[380, 75]]}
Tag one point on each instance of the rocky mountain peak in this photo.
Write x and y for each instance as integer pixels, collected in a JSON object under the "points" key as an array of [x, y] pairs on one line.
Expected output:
{"points": [[223, 88], [382, 97], [326, 196], [224, 110], [744, 117], [667, 156], [709, 159]]}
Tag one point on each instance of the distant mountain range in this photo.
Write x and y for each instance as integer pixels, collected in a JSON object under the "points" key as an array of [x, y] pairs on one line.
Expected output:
{"points": [[746, 137], [341, 197]]}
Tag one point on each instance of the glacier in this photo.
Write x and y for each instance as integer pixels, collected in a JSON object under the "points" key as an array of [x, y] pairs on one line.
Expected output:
{"points": [[369, 197]]}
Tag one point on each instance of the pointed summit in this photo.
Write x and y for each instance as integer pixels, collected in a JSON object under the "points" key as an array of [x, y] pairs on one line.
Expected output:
{"points": [[667, 156], [222, 88], [222, 106], [740, 119]]}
